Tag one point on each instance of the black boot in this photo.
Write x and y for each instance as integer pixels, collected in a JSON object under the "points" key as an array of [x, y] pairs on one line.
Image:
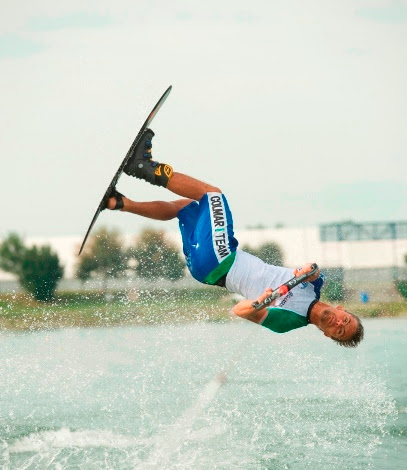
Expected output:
{"points": [[142, 166]]}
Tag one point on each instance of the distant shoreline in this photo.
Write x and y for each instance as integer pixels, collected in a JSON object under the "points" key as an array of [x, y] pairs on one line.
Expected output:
{"points": [[19, 312]]}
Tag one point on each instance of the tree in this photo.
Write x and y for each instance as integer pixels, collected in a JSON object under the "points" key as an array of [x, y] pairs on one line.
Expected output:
{"points": [[37, 268], [402, 288], [269, 252], [103, 256], [40, 272], [334, 284], [156, 257], [334, 291], [402, 285], [12, 251]]}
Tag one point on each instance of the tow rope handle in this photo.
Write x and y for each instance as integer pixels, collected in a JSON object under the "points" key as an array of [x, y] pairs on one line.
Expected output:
{"points": [[283, 289]]}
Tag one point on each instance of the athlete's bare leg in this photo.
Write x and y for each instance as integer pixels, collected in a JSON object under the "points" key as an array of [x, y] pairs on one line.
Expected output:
{"points": [[189, 187], [183, 185], [159, 210]]}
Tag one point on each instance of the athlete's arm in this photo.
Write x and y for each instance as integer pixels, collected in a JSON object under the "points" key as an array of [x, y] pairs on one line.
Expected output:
{"points": [[244, 308], [306, 269]]}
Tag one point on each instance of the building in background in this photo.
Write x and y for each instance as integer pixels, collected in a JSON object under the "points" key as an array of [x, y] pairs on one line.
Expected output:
{"points": [[364, 245]]}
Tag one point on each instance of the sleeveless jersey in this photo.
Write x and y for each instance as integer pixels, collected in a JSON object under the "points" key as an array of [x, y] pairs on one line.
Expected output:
{"points": [[250, 277]]}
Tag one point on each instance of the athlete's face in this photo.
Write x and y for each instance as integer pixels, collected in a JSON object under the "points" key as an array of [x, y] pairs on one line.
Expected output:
{"points": [[338, 324]]}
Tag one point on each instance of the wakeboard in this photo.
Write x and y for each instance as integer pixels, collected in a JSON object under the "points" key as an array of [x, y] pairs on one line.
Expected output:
{"points": [[119, 172]]}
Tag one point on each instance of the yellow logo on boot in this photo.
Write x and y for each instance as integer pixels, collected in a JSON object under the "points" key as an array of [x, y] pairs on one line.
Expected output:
{"points": [[168, 171]]}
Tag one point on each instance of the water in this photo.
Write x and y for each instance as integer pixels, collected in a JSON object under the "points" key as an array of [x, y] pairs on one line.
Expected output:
{"points": [[203, 396]]}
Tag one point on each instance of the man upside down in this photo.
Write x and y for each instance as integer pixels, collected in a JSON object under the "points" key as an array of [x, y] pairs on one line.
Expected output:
{"points": [[212, 256]]}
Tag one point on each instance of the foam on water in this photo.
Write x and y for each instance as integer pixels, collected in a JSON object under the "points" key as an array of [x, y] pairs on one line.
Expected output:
{"points": [[154, 397], [171, 440], [64, 438]]}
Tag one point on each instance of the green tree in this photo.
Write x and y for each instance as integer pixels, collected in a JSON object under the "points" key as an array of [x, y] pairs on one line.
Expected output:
{"points": [[402, 285], [334, 284], [37, 268], [402, 288], [156, 257], [334, 290], [40, 272], [12, 252], [103, 256], [269, 252]]}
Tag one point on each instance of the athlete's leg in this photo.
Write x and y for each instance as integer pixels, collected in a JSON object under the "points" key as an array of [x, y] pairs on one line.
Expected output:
{"points": [[159, 210], [187, 186], [180, 184]]}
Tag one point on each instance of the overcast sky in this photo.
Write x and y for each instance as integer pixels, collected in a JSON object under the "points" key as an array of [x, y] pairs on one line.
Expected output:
{"points": [[296, 109]]}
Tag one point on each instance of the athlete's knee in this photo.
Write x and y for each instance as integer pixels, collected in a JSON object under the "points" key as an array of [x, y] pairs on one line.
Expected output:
{"points": [[213, 189], [181, 203]]}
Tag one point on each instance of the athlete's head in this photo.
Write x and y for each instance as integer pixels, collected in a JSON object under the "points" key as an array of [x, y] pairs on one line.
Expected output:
{"points": [[343, 327]]}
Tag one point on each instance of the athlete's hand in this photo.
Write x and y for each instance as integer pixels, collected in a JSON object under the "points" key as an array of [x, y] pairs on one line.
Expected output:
{"points": [[245, 309], [306, 269], [264, 295]]}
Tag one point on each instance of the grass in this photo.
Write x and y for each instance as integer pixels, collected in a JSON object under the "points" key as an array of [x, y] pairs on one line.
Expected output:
{"points": [[95, 309], [22, 312], [378, 309]]}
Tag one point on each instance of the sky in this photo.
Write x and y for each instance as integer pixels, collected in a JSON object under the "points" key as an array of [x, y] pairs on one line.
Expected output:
{"points": [[296, 109]]}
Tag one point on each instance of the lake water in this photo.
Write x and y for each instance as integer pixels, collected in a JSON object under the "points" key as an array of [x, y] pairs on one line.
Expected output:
{"points": [[203, 396]]}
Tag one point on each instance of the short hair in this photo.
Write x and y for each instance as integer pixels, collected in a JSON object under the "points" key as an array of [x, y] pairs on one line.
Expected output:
{"points": [[356, 338]]}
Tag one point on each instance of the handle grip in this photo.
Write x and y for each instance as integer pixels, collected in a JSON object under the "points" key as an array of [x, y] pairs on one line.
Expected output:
{"points": [[285, 288]]}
